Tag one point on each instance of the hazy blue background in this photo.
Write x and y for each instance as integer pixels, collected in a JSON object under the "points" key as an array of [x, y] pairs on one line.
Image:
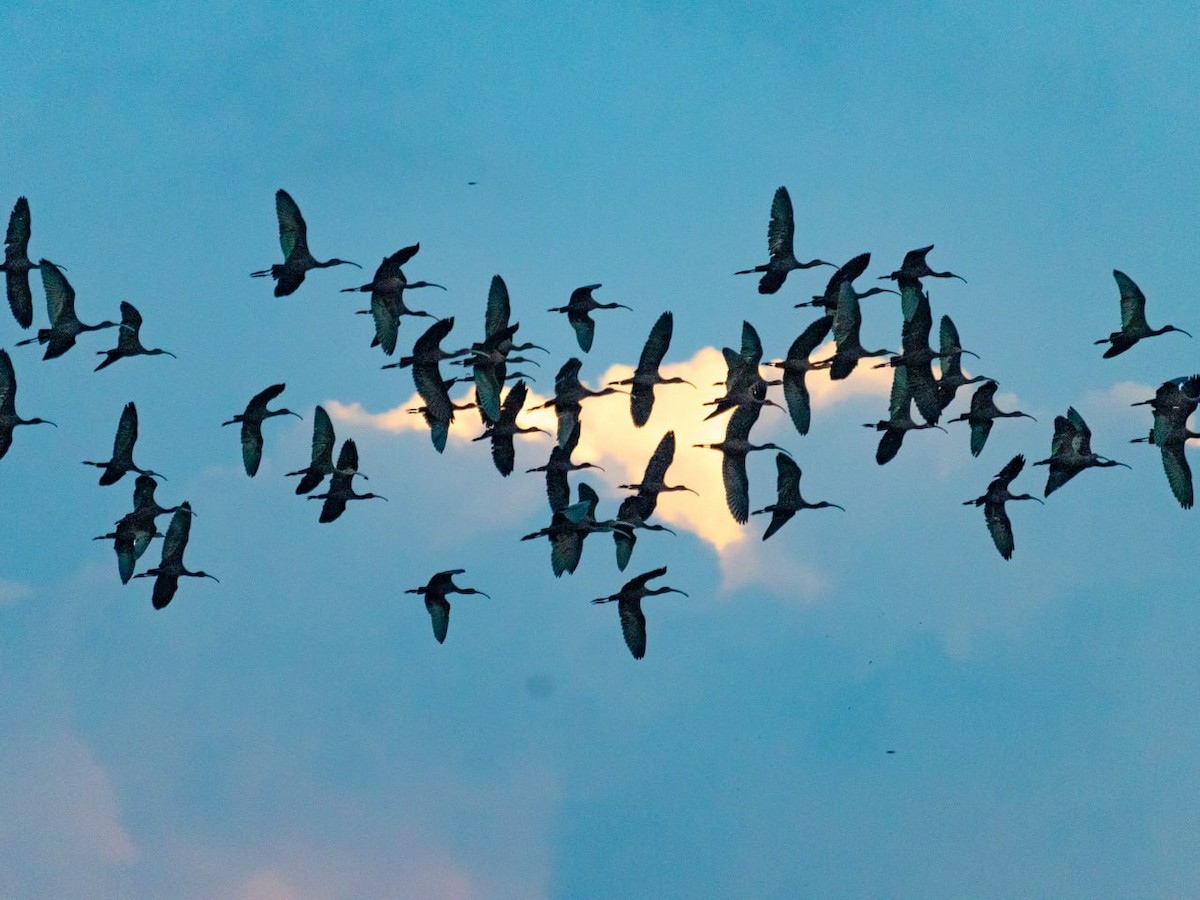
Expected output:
{"points": [[295, 732]]}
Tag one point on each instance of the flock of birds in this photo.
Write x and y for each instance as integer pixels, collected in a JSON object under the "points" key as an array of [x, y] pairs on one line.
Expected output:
{"points": [[745, 394]]}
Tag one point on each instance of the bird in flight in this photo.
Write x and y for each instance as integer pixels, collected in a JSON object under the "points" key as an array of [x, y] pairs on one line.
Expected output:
{"points": [[293, 240]]}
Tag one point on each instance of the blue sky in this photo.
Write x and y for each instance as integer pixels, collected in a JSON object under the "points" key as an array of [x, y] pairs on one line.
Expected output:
{"points": [[295, 732]]}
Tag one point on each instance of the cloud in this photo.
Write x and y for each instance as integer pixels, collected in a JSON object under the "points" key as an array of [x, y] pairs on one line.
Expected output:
{"points": [[61, 827], [1122, 394], [610, 439], [13, 592], [750, 562]]}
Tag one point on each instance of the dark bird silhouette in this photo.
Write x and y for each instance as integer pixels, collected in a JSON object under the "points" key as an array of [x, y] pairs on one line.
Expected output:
{"points": [[828, 301], [1172, 405], [917, 357], [632, 515], [780, 233], [982, 413], [490, 357], [789, 501], [65, 326], [441, 585], [652, 483], [341, 490], [1071, 451], [950, 361], [122, 456], [130, 539], [129, 341], [387, 297], [1134, 326], [136, 529], [144, 502], [323, 441], [742, 379], [252, 419], [427, 377], [569, 395], [293, 240], [734, 450], [796, 366], [9, 419], [645, 376], [636, 510], [993, 505], [579, 313], [629, 606], [558, 488], [567, 529], [899, 421], [489, 361], [915, 268], [502, 431], [170, 569], [17, 264], [847, 322]]}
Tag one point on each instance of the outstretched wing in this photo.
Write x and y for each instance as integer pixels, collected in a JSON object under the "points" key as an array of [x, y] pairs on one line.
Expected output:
{"points": [[498, 307], [1133, 303], [633, 626], [782, 227], [1000, 528], [293, 233]]}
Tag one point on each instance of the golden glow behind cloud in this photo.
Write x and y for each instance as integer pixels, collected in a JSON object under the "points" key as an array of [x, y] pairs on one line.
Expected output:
{"points": [[609, 438]]}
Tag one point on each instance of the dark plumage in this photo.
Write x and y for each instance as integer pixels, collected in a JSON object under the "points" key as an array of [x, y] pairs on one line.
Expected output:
{"points": [[293, 240], [1071, 451], [122, 456], [65, 326], [899, 421], [780, 233], [341, 489], [502, 431], [9, 419], [129, 342], [321, 464], [645, 376], [789, 501], [168, 572], [993, 505], [16, 264], [734, 450], [579, 309], [629, 606], [982, 413], [435, 592], [796, 366], [252, 419], [1134, 326], [387, 297]]}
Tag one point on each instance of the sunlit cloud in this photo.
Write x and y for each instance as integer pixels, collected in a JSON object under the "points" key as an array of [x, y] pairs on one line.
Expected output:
{"points": [[609, 438], [753, 562]]}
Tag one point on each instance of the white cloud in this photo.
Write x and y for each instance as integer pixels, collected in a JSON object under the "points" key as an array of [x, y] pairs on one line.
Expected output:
{"points": [[610, 439]]}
